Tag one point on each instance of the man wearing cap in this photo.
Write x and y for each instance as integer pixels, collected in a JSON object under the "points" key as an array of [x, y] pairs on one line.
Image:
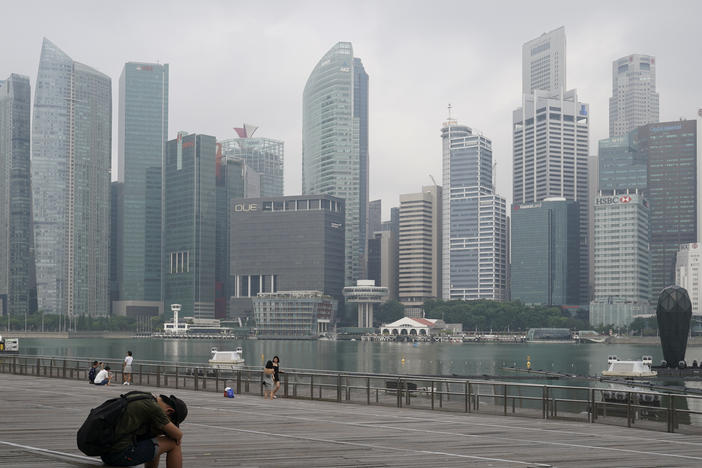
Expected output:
{"points": [[147, 429]]}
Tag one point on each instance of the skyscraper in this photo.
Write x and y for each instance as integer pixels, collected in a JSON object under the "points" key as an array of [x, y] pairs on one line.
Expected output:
{"points": [[71, 153], [544, 63], [190, 224], [622, 258], [17, 276], [634, 100], [375, 223], [143, 131], [335, 144], [546, 252], [263, 155], [419, 262], [474, 219]]}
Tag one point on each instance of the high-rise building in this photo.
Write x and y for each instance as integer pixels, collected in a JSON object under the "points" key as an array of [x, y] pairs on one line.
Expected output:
{"points": [[375, 223], [71, 163], [335, 144], [235, 180], [382, 261], [550, 144], [688, 273], [143, 131], [544, 63], [622, 258], [17, 275], [420, 245], [474, 219], [190, 224], [634, 100], [293, 314], [285, 244], [622, 165], [545, 252], [265, 156], [673, 189]]}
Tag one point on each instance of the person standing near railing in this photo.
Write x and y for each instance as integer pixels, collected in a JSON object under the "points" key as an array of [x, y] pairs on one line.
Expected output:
{"points": [[267, 380], [127, 369], [276, 375]]}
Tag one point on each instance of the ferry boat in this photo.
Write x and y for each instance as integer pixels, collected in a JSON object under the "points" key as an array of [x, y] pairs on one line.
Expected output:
{"points": [[629, 369], [226, 360], [9, 345]]}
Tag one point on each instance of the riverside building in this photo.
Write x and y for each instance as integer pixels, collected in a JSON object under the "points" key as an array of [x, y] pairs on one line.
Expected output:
{"points": [[141, 143], [265, 156], [285, 244], [335, 144], [420, 249], [634, 100], [18, 293], [71, 163], [545, 252], [293, 314], [622, 258], [474, 259], [190, 224], [688, 273]]}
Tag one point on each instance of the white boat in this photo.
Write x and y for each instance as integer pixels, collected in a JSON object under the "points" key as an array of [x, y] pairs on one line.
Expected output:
{"points": [[619, 368], [226, 360]]}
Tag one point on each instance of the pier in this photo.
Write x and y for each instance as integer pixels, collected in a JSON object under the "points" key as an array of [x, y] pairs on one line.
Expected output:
{"points": [[327, 419]]}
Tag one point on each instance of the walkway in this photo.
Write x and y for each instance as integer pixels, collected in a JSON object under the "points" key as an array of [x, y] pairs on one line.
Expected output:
{"points": [[39, 417]]}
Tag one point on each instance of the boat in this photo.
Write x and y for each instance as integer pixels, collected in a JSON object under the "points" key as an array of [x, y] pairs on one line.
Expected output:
{"points": [[629, 369], [226, 360], [9, 345]]}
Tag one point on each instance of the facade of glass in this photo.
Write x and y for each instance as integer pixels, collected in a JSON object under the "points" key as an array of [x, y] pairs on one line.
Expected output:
{"points": [[621, 258], [545, 252], [634, 100], [335, 144], [262, 155], [143, 131], [285, 244], [17, 275], [190, 225], [474, 219], [550, 158], [293, 314], [71, 163], [622, 165]]}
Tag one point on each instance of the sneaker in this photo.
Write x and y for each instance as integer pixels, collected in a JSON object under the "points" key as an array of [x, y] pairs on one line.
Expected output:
{"points": [[125, 383], [275, 396]]}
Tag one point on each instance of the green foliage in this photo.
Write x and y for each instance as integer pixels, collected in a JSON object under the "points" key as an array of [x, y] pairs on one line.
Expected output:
{"points": [[53, 322], [388, 312], [493, 315]]}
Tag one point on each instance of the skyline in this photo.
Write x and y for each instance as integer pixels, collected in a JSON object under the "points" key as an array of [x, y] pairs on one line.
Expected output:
{"points": [[255, 70]]}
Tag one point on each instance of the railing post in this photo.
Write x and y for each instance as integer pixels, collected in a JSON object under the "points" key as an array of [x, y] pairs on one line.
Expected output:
{"points": [[311, 387], [158, 376], [593, 408], [628, 409], [505, 399], [64, 368], [368, 390], [140, 374], [195, 378], [432, 394], [38, 366], [467, 408], [176, 377], [399, 392], [544, 400], [77, 370], [238, 383], [285, 386], [217, 381]]}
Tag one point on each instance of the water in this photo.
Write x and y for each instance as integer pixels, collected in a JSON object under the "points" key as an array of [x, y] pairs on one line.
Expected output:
{"points": [[361, 356]]}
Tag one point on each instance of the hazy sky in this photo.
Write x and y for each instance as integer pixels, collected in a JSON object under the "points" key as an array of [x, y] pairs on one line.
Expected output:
{"points": [[233, 62]]}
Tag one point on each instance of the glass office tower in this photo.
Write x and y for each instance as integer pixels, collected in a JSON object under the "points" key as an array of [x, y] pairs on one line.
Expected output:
{"points": [[71, 163], [17, 277], [262, 155], [143, 130], [335, 144], [190, 225]]}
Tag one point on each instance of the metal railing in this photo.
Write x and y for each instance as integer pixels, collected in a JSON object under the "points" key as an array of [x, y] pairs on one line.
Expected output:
{"points": [[662, 411]]}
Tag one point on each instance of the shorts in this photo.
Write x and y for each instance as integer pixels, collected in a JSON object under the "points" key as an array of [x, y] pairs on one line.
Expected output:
{"points": [[268, 384], [104, 382], [127, 369], [144, 451]]}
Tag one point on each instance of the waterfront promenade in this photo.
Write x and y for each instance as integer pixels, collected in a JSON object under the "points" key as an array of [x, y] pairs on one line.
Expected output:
{"points": [[39, 417]]}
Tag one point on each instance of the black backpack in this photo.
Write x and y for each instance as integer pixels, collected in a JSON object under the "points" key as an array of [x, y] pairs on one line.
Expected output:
{"points": [[97, 434]]}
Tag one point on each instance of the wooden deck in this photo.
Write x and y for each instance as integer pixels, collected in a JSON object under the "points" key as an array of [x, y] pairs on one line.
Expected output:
{"points": [[39, 417]]}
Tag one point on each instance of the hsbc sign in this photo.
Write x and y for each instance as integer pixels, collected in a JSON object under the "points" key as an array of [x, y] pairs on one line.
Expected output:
{"points": [[613, 200]]}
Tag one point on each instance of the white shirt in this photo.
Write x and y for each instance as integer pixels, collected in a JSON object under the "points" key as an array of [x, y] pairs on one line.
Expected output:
{"points": [[102, 375], [128, 360]]}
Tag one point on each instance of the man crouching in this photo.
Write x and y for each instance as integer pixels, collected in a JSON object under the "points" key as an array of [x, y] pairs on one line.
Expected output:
{"points": [[147, 429]]}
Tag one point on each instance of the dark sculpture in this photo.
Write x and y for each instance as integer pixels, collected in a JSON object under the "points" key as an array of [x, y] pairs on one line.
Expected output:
{"points": [[673, 312]]}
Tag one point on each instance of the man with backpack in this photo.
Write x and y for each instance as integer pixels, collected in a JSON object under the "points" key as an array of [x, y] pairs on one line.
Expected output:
{"points": [[93, 372], [135, 428]]}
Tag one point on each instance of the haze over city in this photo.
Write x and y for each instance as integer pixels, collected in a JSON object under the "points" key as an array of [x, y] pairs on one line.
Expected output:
{"points": [[236, 62]]}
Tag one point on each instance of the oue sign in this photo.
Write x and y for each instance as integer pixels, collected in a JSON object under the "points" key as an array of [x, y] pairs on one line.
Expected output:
{"points": [[246, 207]]}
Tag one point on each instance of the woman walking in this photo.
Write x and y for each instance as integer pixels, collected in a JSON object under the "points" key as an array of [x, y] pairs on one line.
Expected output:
{"points": [[267, 380], [276, 375]]}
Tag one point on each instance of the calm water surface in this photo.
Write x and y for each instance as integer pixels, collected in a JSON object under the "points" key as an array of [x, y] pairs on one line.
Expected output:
{"points": [[360, 356]]}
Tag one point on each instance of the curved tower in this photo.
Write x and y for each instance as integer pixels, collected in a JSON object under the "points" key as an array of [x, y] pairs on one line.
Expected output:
{"points": [[335, 144]]}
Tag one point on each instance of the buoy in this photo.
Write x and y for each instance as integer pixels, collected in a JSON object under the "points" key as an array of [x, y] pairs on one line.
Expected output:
{"points": [[528, 362]]}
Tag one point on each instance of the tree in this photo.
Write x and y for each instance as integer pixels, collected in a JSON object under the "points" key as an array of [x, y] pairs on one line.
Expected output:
{"points": [[388, 312]]}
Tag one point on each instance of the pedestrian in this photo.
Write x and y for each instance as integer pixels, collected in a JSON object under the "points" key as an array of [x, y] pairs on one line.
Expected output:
{"points": [[267, 380], [148, 428], [93, 372], [127, 369], [104, 377], [276, 375]]}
